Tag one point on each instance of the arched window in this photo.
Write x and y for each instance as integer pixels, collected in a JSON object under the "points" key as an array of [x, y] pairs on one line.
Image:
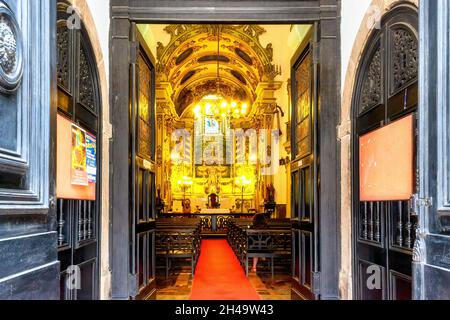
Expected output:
{"points": [[78, 145], [386, 91]]}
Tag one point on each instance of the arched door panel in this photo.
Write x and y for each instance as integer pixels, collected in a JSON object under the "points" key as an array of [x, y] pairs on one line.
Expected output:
{"points": [[78, 131], [386, 92]]}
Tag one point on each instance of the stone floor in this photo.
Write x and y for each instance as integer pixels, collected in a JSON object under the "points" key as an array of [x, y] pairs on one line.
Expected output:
{"points": [[178, 286]]}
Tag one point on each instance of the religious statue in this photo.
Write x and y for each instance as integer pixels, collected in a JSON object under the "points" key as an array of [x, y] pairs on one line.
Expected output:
{"points": [[159, 205], [270, 193], [186, 206], [269, 203], [213, 201]]}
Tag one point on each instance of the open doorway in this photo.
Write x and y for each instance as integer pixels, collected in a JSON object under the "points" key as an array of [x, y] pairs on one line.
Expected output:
{"points": [[231, 132], [152, 192]]}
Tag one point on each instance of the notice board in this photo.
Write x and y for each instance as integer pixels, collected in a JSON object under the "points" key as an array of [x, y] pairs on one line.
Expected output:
{"points": [[387, 162], [76, 164]]}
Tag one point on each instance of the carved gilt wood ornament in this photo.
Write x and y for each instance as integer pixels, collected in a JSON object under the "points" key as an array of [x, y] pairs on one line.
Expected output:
{"points": [[189, 62], [11, 52]]}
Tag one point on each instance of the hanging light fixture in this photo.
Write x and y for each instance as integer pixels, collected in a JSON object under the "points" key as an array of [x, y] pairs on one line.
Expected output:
{"points": [[218, 105]]}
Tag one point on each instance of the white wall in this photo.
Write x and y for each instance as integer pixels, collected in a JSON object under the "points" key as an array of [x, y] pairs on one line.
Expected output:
{"points": [[99, 11], [101, 15], [285, 40], [352, 14]]}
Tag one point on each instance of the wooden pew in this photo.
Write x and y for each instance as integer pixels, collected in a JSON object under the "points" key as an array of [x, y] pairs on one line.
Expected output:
{"points": [[271, 243], [178, 239]]}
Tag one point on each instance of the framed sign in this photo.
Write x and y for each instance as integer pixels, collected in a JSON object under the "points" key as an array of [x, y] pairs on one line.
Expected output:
{"points": [[386, 162], [76, 162]]}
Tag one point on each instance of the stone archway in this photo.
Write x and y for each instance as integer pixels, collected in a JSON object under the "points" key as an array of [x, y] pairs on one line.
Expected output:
{"points": [[81, 7], [377, 9]]}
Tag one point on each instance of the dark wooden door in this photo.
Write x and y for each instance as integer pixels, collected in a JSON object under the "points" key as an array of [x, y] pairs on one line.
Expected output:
{"points": [[386, 91], [78, 218], [142, 169], [432, 248], [305, 249], [29, 267]]}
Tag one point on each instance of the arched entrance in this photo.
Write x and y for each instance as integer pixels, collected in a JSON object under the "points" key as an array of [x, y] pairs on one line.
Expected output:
{"points": [[123, 22], [78, 177], [386, 97]]}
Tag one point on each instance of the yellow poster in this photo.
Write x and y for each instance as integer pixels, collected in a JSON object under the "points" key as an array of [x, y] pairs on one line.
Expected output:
{"points": [[79, 175]]}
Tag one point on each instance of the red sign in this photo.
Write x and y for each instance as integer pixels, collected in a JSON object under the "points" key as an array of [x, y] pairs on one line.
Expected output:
{"points": [[386, 162]]}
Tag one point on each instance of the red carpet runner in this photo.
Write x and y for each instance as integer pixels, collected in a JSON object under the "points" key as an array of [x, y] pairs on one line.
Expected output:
{"points": [[219, 276]]}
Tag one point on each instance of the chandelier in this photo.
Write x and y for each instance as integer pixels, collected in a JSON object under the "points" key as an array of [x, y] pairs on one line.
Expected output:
{"points": [[217, 105]]}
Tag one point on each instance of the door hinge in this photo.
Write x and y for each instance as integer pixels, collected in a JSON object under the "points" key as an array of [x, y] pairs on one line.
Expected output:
{"points": [[417, 203], [316, 283], [133, 53], [316, 52], [133, 285]]}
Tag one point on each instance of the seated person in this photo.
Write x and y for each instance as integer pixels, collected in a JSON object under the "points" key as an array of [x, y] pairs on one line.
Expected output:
{"points": [[259, 222]]}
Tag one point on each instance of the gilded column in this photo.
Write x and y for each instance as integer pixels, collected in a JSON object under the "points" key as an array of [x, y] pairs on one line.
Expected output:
{"points": [[264, 109]]}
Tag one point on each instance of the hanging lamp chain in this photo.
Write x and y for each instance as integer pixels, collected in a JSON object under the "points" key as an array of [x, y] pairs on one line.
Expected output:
{"points": [[218, 60]]}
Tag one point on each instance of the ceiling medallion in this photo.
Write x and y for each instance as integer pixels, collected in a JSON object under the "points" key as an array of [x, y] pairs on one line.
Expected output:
{"points": [[11, 53]]}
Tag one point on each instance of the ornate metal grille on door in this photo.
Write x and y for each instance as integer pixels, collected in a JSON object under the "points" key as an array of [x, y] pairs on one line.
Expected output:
{"points": [[386, 91], [79, 103]]}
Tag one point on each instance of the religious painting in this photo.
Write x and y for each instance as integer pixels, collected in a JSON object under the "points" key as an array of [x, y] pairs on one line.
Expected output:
{"points": [[303, 105], [212, 126]]}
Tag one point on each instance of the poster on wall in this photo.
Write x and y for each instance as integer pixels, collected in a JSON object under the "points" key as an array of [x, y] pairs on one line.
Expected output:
{"points": [[91, 158], [79, 174]]}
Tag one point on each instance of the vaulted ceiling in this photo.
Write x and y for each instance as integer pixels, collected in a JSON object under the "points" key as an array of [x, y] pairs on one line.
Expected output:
{"points": [[190, 62]]}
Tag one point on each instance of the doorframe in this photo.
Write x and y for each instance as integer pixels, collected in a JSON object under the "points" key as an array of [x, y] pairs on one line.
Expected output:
{"points": [[326, 13]]}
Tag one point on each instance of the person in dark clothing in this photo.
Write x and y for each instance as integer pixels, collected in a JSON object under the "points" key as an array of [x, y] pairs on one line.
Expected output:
{"points": [[259, 222]]}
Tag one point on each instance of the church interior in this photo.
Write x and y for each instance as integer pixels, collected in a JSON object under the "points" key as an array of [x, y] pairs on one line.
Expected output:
{"points": [[222, 149]]}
